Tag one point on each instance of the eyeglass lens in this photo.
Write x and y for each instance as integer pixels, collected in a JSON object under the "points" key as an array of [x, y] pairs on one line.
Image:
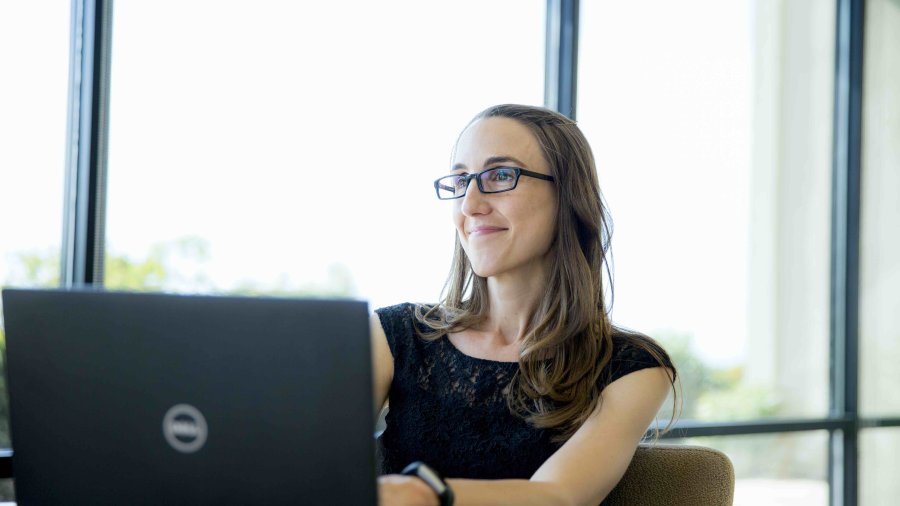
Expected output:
{"points": [[492, 180]]}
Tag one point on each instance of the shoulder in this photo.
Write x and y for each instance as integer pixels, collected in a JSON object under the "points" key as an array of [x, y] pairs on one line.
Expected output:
{"points": [[633, 351], [400, 325], [398, 313]]}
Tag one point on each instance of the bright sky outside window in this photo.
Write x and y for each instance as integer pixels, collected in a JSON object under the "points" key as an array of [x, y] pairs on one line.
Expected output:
{"points": [[248, 162]]}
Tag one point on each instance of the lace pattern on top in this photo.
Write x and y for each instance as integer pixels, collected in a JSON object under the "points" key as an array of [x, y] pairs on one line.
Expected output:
{"points": [[449, 409]]}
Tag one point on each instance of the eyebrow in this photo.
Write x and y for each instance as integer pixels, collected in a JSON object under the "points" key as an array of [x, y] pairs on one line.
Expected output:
{"points": [[492, 160]]}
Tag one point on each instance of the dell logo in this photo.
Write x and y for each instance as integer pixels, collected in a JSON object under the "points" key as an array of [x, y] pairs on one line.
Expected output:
{"points": [[184, 428]]}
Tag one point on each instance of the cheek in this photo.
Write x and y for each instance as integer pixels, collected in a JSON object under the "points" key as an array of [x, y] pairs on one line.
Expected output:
{"points": [[459, 222], [456, 216], [544, 233], [550, 223], [542, 220]]}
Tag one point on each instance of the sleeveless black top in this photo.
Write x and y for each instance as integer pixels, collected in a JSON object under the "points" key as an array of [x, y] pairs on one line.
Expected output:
{"points": [[449, 409]]}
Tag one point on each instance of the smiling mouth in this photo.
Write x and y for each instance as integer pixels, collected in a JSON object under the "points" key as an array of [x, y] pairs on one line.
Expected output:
{"points": [[485, 231]]}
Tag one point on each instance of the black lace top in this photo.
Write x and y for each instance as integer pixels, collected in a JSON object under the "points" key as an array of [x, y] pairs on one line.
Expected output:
{"points": [[449, 409]]}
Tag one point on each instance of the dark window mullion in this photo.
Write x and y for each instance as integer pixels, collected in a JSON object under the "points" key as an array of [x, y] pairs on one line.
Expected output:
{"points": [[691, 428], [561, 56], [844, 450], [85, 190]]}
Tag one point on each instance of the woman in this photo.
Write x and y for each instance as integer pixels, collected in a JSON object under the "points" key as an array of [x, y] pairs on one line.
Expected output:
{"points": [[516, 386]]}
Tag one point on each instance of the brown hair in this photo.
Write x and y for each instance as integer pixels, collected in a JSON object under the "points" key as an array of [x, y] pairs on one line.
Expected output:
{"points": [[571, 323]]}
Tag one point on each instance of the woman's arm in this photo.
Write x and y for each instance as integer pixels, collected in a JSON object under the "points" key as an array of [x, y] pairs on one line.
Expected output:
{"points": [[382, 363], [590, 464]]}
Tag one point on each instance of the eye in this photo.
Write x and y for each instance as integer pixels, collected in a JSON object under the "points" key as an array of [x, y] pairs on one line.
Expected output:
{"points": [[503, 175], [460, 181]]}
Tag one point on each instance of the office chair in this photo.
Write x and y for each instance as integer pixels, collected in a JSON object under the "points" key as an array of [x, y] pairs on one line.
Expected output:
{"points": [[675, 475]]}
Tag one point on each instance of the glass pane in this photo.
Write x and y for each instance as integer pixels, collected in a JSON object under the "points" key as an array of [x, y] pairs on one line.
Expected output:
{"points": [[34, 56], [783, 469], [879, 305], [878, 449], [711, 126], [244, 159]]}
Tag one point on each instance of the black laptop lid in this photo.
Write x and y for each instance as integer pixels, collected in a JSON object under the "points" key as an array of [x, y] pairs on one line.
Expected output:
{"points": [[124, 398]]}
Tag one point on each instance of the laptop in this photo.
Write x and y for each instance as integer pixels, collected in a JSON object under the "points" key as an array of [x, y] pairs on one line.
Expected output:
{"points": [[139, 398]]}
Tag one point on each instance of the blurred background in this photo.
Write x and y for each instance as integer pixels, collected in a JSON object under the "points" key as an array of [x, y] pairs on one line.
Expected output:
{"points": [[288, 148]]}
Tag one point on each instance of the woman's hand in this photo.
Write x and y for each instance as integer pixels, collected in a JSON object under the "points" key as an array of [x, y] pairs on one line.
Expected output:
{"points": [[399, 490]]}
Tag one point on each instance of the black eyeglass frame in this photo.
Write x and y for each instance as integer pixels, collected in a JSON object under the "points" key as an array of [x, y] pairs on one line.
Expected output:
{"points": [[477, 177]]}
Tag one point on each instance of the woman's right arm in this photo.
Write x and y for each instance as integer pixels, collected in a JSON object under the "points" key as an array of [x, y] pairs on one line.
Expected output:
{"points": [[382, 363]]}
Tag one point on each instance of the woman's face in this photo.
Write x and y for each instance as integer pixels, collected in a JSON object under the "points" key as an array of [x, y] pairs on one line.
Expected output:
{"points": [[509, 232]]}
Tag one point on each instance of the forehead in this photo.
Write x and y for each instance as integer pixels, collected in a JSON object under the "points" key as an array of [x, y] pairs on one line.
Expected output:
{"points": [[498, 136]]}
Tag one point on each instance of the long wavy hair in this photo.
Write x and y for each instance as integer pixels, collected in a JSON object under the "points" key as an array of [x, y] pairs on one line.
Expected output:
{"points": [[568, 341]]}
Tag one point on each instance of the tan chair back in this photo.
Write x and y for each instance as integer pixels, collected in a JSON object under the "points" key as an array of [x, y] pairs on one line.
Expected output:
{"points": [[675, 475]]}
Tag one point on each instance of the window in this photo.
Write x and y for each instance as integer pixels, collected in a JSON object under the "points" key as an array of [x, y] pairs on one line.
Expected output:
{"points": [[793, 471], [880, 214], [298, 157], [715, 159], [877, 467], [879, 270], [711, 124]]}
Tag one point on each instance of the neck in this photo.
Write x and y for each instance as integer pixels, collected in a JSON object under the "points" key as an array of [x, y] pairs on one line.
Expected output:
{"points": [[513, 298]]}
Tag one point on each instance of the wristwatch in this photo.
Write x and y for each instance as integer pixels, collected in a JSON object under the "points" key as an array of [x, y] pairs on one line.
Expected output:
{"points": [[434, 480]]}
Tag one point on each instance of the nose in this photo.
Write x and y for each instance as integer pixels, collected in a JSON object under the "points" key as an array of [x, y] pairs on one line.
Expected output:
{"points": [[474, 202]]}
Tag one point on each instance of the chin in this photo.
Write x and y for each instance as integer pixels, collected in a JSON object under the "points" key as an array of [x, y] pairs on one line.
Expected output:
{"points": [[491, 263], [484, 273], [484, 269]]}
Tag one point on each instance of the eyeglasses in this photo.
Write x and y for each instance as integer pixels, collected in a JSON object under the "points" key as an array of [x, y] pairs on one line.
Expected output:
{"points": [[495, 180]]}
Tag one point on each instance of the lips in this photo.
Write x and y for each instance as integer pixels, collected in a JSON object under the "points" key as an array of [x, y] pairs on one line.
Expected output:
{"points": [[484, 230]]}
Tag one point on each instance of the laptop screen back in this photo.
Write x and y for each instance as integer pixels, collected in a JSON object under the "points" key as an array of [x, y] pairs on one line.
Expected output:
{"points": [[124, 398]]}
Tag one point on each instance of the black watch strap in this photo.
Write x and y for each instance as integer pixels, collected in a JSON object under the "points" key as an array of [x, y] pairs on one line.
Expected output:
{"points": [[434, 480]]}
